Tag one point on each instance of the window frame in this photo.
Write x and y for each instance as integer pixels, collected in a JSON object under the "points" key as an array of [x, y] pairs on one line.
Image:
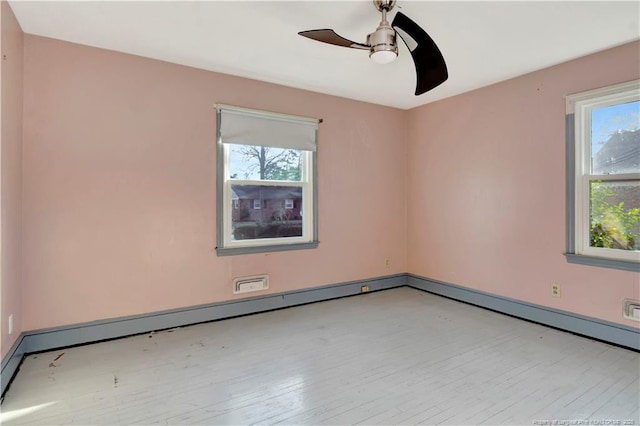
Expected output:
{"points": [[579, 176], [309, 239]]}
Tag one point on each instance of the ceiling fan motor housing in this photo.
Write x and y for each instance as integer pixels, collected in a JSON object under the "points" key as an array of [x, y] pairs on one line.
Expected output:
{"points": [[383, 44], [383, 39]]}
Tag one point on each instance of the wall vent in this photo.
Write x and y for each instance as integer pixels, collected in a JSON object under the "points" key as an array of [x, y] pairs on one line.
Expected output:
{"points": [[631, 309], [249, 284]]}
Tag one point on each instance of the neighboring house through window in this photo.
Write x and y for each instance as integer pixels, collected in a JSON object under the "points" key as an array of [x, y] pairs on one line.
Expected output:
{"points": [[603, 177], [267, 167]]}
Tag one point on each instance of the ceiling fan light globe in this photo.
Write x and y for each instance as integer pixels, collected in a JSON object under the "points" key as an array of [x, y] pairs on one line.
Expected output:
{"points": [[383, 56]]}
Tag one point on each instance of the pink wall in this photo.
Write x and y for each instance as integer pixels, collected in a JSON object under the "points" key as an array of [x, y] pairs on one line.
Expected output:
{"points": [[11, 167], [119, 186], [486, 189]]}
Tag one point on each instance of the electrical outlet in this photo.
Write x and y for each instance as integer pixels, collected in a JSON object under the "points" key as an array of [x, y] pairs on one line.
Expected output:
{"points": [[10, 324], [364, 289], [387, 262], [555, 290]]}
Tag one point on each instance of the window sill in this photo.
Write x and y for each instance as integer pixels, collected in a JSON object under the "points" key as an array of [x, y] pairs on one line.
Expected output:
{"points": [[227, 251], [602, 262]]}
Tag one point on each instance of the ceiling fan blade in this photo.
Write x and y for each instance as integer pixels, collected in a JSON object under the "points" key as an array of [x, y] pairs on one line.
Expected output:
{"points": [[329, 36], [431, 70]]}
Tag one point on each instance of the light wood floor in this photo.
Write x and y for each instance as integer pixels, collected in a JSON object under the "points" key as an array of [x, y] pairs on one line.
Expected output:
{"points": [[400, 356]]}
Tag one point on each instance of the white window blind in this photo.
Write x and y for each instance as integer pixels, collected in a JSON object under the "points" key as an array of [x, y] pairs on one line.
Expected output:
{"points": [[245, 126]]}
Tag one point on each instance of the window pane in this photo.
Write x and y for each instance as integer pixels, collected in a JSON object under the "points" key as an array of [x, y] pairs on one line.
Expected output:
{"points": [[251, 162], [615, 139], [272, 218], [615, 215]]}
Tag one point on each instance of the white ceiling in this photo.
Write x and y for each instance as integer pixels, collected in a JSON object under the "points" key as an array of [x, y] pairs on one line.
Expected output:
{"points": [[482, 42]]}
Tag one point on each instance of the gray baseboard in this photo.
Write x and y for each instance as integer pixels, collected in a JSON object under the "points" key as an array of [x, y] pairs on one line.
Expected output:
{"points": [[11, 362], [95, 331], [618, 334]]}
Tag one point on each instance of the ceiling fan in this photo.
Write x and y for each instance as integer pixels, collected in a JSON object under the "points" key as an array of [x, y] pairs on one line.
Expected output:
{"points": [[431, 70]]}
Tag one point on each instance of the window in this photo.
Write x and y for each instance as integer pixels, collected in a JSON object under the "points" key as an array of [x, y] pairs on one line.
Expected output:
{"points": [[267, 167], [603, 177]]}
